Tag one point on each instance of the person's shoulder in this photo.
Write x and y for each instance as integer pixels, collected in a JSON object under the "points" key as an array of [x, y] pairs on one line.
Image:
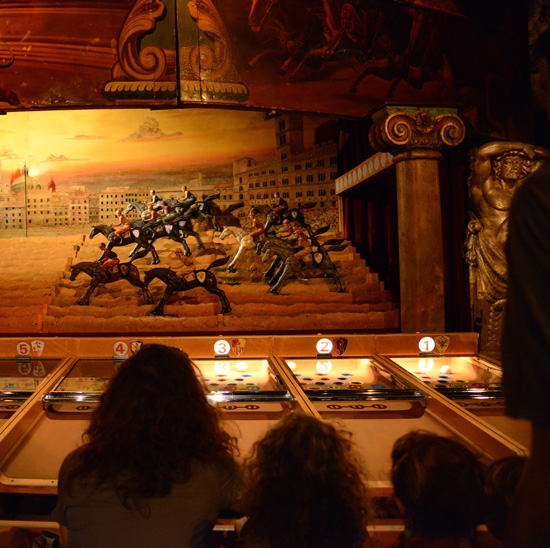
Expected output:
{"points": [[536, 186], [69, 462]]}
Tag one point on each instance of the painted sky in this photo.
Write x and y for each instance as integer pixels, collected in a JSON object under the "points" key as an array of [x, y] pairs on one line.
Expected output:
{"points": [[60, 143]]}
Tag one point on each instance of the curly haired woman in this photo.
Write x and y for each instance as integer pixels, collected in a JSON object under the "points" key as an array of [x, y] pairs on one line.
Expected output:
{"points": [[304, 488], [156, 466]]}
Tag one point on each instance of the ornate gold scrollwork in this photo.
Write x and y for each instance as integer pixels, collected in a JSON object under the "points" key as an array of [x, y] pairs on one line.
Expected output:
{"points": [[149, 63], [202, 61], [417, 129], [212, 66]]}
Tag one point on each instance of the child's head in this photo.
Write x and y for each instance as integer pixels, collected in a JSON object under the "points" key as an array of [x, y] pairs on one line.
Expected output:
{"points": [[439, 484], [501, 481], [305, 486]]}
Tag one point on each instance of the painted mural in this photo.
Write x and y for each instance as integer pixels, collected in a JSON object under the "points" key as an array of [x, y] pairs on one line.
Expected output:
{"points": [[337, 57], [177, 220]]}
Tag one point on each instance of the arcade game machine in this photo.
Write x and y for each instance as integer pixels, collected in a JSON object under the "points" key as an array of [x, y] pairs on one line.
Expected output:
{"points": [[471, 381], [20, 376], [256, 380], [239, 377], [350, 381]]}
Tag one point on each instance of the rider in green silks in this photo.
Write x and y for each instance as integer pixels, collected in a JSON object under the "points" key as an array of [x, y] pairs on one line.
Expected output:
{"points": [[169, 213]]}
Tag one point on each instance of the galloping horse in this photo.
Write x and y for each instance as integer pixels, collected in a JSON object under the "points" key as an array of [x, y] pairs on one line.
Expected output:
{"points": [[202, 278], [177, 230], [294, 215], [143, 208], [205, 208], [123, 271], [244, 239], [140, 240], [285, 263]]}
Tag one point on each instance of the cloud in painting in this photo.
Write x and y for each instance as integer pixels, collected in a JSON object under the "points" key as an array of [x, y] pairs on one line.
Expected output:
{"points": [[54, 158], [7, 153], [150, 130], [82, 137]]}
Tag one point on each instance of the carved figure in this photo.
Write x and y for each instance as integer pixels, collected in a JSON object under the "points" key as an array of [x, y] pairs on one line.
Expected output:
{"points": [[281, 205], [174, 283], [123, 271], [155, 200], [497, 169], [245, 242]]}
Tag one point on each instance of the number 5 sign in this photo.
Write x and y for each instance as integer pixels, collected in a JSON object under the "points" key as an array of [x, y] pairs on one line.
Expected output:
{"points": [[23, 349]]}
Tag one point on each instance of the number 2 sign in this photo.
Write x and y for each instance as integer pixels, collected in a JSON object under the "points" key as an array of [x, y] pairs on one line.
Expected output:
{"points": [[324, 346]]}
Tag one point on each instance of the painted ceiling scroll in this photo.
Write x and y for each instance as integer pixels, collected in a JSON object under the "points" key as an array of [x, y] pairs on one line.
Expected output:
{"points": [[339, 57]]}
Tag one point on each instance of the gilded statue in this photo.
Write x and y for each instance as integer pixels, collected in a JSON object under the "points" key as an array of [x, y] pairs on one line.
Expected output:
{"points": [[497, 169]]}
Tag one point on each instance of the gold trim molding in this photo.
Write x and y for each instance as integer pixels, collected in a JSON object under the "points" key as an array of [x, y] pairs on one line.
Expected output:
{"points": [[411, 127]]}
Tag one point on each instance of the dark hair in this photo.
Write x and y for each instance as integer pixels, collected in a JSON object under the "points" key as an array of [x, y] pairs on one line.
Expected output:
{"points": [[152, 420], [304, 487], [501, 480], [439, 482]]}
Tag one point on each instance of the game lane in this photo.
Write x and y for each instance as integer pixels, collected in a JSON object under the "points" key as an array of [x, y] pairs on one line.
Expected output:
{"points": [[472, 382], [248, 390], [19, 378], [378, 404]]}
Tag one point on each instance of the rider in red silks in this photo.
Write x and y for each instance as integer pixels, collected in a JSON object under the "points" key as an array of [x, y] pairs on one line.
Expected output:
{"points": [[256, 224], [123, 223], [108, 260]]}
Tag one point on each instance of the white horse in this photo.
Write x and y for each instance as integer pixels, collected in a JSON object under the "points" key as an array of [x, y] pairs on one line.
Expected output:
{"points": [[244, 239]]}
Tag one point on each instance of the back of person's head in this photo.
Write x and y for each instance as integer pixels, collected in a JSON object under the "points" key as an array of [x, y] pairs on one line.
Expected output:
{"points": [[304, 487], [439, 484], [152, 420], [501, 480]]}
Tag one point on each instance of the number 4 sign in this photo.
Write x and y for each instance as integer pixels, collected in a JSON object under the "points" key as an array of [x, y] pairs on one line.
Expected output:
{"points": [[121, 350]]}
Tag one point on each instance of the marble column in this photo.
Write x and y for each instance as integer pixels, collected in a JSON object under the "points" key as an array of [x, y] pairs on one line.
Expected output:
{"points": [[416, 136]]}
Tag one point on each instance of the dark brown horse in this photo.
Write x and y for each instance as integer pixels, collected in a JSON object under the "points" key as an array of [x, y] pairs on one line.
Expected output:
{"points": [[142, 245], [174, 283], [123, 271]]}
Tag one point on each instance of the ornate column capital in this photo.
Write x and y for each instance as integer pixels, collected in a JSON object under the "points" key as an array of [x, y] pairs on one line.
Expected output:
{"points": [[399, 128]]}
